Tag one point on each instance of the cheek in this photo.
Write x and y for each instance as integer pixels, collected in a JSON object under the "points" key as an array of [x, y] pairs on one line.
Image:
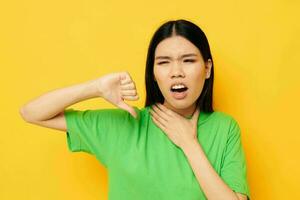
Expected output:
{"points": [[157, 77], [198, 73], [159, 74], [197, 70], [155, 73], [197, 81]]}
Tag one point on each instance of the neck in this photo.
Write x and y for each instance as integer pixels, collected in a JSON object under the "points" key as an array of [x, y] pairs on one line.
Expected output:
{"points": [[186, 112]]}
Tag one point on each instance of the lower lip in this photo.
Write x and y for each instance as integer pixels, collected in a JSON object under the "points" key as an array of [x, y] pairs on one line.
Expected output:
{"points": [[179, 95]]}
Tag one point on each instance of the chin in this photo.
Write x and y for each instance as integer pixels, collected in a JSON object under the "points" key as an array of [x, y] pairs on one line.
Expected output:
{"points": [[179, 104]]}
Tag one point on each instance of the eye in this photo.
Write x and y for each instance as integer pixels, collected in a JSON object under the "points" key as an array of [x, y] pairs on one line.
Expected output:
{"points": [[189, 60], [162, 62]]}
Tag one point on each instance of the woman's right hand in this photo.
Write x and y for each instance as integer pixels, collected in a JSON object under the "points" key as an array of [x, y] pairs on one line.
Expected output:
{"points": [[117, 87]]}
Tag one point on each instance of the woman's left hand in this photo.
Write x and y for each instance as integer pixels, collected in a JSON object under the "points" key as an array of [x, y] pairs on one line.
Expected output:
{"points": [[180, 130]]}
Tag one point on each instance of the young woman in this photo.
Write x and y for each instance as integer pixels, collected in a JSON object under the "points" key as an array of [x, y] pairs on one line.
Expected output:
{"points": [[177, 146]]}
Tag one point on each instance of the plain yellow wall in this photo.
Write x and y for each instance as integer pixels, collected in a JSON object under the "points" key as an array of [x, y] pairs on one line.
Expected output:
{"points": [[47, 45]]}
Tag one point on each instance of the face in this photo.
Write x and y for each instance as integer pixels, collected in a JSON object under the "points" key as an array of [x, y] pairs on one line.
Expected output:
{"points": [[177, 60]]}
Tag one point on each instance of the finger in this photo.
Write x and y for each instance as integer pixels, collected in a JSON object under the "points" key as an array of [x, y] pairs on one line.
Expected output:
{"points": [[128, 86], [167, 111], [128, 75], [157, 117], [158, 123], [160, 112], [125, 78], [128, 93], [131, 98], [125, 81], [128, 108], [122, 76]]}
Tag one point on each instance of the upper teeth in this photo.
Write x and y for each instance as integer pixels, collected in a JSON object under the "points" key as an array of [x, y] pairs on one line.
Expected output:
{"points": [[178, 86]]}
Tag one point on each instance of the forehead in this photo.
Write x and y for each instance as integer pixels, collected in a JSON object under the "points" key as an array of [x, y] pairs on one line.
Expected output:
{"points": [[175, 46]]}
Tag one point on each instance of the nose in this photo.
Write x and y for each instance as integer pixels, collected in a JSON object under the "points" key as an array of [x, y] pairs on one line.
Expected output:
{"points": [[176, 70]]}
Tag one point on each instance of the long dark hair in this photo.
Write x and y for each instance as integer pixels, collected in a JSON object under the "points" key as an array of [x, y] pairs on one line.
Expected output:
{"points": [[194, 34]]}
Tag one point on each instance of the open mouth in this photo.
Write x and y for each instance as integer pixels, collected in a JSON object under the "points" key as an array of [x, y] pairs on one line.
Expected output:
{"points": [[179, 93], [179, 90]]}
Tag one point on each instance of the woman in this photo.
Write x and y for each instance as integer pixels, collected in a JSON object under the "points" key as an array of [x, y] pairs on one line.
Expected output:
{"points": [[177, 146]]}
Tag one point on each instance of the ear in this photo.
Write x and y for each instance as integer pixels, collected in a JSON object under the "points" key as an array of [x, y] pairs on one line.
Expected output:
{"points": [[208, 66]]}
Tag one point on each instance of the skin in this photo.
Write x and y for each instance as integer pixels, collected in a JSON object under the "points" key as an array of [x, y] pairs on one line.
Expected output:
{"points": [[191, 70], [170, 116]]}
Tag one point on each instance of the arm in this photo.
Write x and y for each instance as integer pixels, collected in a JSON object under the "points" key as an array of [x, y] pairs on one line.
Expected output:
{"points": [[183, 133], [213, 186], [53, 103], [48, 109]]}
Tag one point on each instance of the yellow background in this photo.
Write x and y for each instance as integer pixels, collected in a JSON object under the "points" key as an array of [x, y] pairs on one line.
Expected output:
{"points": [[47, 45]]}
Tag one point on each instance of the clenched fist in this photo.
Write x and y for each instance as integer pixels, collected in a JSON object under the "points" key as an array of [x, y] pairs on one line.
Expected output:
{"points": [[117, 87]]}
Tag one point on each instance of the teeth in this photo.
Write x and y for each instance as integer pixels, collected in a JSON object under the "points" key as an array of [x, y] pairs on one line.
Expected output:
{"points": [[178, 86]]}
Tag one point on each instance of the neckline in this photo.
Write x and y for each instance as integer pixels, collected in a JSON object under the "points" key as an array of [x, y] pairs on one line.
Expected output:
{"points": [[202, 118]]}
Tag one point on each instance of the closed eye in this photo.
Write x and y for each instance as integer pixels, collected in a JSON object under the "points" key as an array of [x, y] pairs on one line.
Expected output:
{"points": [[190, 60], [161, 62]]}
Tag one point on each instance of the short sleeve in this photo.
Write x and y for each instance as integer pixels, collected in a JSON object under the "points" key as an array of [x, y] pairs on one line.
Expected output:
{"points": [[234, 169], [95, 131]]}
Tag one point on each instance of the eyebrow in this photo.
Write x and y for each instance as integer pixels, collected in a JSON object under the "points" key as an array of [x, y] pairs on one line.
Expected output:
{"points": [[168, 57]]}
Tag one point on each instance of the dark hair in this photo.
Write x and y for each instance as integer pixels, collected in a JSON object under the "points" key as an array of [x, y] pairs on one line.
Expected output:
{"points": [[194, 34]]}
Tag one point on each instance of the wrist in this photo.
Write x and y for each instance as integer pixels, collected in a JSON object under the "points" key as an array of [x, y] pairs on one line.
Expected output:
{"points": [[191, 146], [91, 89]]}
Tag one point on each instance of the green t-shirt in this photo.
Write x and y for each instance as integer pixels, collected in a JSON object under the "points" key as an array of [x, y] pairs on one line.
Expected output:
{"points": [[144, 164]]}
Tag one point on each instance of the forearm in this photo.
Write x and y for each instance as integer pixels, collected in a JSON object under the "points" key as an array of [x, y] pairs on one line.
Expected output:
{"points": [[211, 183], [50, 104]]}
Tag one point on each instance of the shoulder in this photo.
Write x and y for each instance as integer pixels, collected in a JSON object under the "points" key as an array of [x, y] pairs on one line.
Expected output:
{"points": [[225, 122], [223, 117]]}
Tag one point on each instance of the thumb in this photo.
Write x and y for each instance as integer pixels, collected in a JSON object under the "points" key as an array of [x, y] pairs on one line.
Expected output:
{"points": [[128, 108]]}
